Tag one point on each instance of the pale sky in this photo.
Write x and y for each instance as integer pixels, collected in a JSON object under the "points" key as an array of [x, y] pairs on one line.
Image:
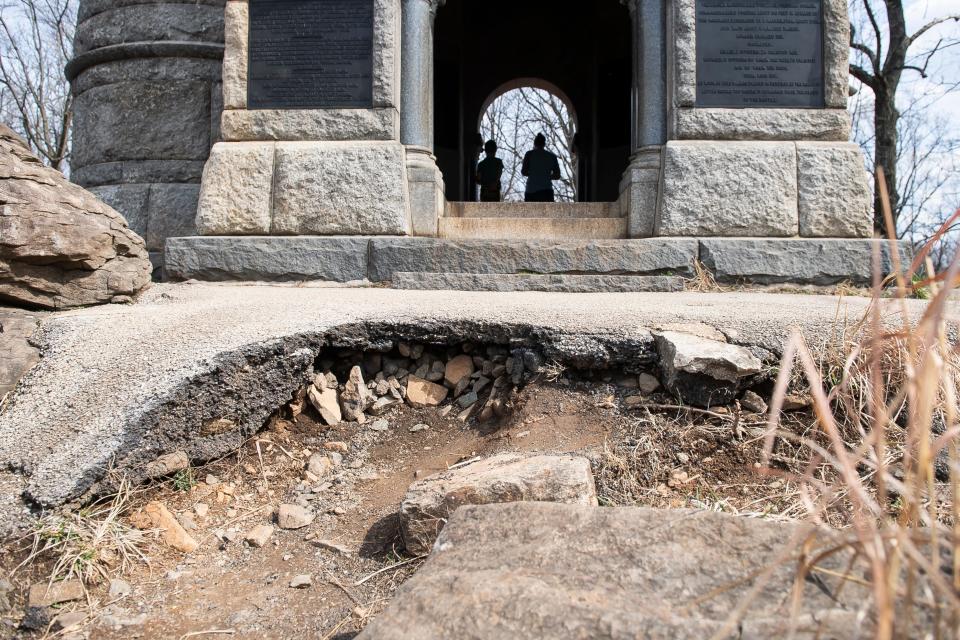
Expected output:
{"points": [[920, 12]]}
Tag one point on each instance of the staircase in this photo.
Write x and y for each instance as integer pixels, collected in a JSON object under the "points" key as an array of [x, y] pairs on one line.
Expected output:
{"points": [[532, 221]]}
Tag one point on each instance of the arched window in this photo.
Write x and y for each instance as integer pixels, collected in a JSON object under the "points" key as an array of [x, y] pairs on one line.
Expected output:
{"points": [[513, 116]]}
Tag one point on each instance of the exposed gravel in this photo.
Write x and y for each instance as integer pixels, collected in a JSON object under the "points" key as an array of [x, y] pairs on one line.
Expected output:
{"points": [[120, 385]]}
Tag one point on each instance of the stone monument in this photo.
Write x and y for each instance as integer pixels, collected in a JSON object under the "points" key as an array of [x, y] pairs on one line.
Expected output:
{"points": [[326, 165]]}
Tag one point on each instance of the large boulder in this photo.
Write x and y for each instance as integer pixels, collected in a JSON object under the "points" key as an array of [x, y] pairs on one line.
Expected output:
{"points": [[60, 246], [507, 477], [536, 570]]}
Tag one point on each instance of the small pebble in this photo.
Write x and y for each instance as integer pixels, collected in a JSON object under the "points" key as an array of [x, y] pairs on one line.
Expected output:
{"points": [[302, 582]]}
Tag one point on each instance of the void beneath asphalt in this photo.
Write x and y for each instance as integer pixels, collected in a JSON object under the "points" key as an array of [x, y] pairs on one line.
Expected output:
{"points": [[118, 385]]}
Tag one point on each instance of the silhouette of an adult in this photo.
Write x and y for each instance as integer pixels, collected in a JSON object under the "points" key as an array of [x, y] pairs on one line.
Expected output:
{"points": [[541, 168], [489, 172]]}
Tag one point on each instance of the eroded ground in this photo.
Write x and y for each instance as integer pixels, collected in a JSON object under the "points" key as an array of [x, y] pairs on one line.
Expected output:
{"points": [[352, 550]]}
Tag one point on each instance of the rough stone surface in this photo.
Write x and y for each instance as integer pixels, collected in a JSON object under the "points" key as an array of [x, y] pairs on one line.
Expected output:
{"points": [[836, 53], [266, 258], [310, 124], [145, 119], [560, 283], [835, 199], [457, 369], [150, 22], [729, 189], [45, 594], [156, 516], [340, 188], [60, 246], [524, 229], [811, 261], [293, 516], [639, 193], [684, 48], [423, 393], [386, 54], [355, 397], [507, 477], [239, 352], [259, 535], [702, 371], [326, 403], [236, 22], [644, 256], [763, 124], [17, 354], [530, 570], [235, 197], [167, 464]]}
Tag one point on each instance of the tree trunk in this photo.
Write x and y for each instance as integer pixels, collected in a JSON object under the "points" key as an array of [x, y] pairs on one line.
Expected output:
{"points": [[885, 122]]}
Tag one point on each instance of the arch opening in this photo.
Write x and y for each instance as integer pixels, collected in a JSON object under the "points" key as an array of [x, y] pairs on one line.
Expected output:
{"points": [[579, 51], [513, 115]]}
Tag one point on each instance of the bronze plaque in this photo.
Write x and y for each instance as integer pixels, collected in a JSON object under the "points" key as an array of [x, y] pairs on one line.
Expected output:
{"points": [[760, 53], [310, 54]]}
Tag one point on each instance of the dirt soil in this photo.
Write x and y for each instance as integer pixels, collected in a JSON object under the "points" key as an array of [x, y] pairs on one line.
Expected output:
{"points": [[352, 550]]}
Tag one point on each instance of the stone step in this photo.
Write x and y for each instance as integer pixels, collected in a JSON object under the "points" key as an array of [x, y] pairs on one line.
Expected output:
{"points": [[532, 210], [533, 228], [558, 283]]}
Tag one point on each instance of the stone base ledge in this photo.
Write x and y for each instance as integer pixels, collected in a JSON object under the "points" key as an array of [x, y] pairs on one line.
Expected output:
{"points": [[384, 258], [553, 283]]}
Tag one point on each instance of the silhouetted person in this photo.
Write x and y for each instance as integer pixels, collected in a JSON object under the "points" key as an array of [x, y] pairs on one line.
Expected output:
{"points": [[541, 168], [489, 172]]}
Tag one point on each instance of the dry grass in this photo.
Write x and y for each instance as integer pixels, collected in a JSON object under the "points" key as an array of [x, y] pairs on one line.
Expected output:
{"points": [[91, 544], [702, 280], [884, 392]]}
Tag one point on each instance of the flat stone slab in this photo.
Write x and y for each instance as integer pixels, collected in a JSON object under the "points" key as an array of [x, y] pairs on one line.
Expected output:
{"points": [[530, 570], [124, 384], [650, 256], [807, 260], [559, 283], [380, 258], [267, 258], [502, 228], [506, 477]]}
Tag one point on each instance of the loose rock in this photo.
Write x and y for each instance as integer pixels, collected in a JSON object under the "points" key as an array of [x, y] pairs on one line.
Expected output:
{"points": [[293, 516], [506, 477], [753, 402], [422, 393], [156, 516], [457, 369], [647, 383], [704, 372], [326, 403], [119, 588], [356, 397], [44, 594], [165, 465], [303, 581], [259, 535], [320, 465]]}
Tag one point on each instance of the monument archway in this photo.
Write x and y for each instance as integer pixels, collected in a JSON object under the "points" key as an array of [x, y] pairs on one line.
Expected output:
{"points": [[584, 49], [512, 116]]}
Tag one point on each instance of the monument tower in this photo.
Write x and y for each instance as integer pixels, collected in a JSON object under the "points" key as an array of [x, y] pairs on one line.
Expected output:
{"points": [[711, 130]]}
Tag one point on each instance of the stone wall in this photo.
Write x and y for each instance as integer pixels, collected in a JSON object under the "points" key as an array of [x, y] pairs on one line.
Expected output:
{"points": [[147, 83]]}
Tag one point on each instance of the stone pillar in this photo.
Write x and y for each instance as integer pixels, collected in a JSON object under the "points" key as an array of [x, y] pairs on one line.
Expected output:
{"points": [[649, 72], [639, 189], [425, 182], [146, 82]]}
